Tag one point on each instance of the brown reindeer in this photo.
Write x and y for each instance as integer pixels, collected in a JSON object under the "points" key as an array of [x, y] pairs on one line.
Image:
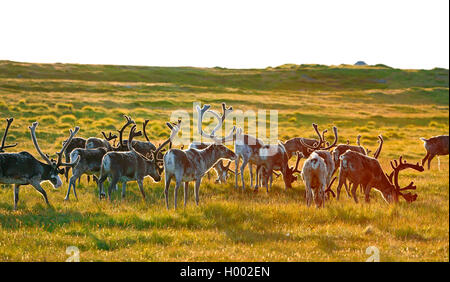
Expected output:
{"points": [[435, 146], [366, 171]]}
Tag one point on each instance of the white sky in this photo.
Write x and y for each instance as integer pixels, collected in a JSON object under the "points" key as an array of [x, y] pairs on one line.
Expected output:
{"points": [[228, 33]]}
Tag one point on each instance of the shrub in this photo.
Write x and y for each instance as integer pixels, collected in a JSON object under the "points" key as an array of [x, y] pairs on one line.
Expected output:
{"points": [[70, 119]]}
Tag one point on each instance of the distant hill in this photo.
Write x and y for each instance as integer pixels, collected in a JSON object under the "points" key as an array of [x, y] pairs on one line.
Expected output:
{"points": [[284, 77]]}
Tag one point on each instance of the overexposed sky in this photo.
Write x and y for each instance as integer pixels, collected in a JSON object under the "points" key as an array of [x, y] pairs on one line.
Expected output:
{"points": [[228, 33]]}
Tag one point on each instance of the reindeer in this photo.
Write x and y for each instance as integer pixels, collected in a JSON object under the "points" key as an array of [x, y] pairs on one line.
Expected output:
{"points": [[316, 176], [23, 169], [77, 142], [294, 145], [91, 157], [131, 165], [221, 169], [366, 171], [94, 142], [435, 146], [273, 157], [342, 148], [192, 164], [318, 170], [246, 147]]}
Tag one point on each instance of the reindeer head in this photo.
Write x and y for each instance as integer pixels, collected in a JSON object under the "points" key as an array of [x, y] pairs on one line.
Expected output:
{"points": [[222, 171], [393, 194], [289, 176], [55, 169]]}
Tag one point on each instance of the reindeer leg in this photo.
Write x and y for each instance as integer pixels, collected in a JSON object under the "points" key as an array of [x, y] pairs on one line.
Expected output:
{"points": [[177, 186], [244, 163], [347, 188], [342, 181], [41, 190], [429, 159], [250, 168], [141, 187], [75, 175], [197, 190], [124, 188], [168, 178], [186, 192], [236, 165], [354, 187], [112, 184], [16, 195], [100, 186], [367, 193], [425, 158]]}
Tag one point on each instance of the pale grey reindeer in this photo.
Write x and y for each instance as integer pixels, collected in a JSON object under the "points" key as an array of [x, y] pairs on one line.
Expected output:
{"points": [[131, 165], [221, 169], [91, 157], [24, 169], [192, 164], [435, 146], [367, 172], [318, 170], [316, 173], [77, 142]]}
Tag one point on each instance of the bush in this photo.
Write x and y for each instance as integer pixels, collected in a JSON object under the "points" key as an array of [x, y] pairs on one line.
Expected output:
{"points": [[70, 119]]}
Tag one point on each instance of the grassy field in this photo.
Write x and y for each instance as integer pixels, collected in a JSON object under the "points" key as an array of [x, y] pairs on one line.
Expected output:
{"points": [[229, 225]]}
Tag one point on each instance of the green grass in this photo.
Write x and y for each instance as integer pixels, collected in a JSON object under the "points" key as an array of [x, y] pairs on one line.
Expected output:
{"points": [[229, 225]]}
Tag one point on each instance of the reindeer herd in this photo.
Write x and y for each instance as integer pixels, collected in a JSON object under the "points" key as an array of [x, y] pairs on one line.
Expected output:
{"points": [[133, 160]]}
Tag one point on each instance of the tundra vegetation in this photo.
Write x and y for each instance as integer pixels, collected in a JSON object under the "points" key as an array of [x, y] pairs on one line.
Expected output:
{"points": [[229, 224]]}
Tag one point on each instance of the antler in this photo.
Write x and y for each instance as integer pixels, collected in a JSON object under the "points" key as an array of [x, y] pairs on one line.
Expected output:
{"points": [[378, 151], [133, 134], [8, 121], [66, 144], [317, 147], [358, 140], [174, 127], [129, 122], [397, 167], [144, 124], [35, 143], [109, 137], [220, 118]]}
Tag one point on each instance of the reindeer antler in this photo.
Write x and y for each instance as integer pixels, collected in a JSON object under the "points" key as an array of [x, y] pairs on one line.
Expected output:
{"points": [[397, 167], [109, 137], [174, 127], [317, 147], [129, 122], [380, 146], [144, 125], [2, 146]]}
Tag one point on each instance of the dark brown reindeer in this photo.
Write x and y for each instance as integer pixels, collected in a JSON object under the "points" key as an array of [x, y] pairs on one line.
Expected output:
{"points": [[3, 146], [24, 169], [296, 144], [342, 148], [435, 146], [192, 164], [91, 158], [131, 165], [366, 171]]}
